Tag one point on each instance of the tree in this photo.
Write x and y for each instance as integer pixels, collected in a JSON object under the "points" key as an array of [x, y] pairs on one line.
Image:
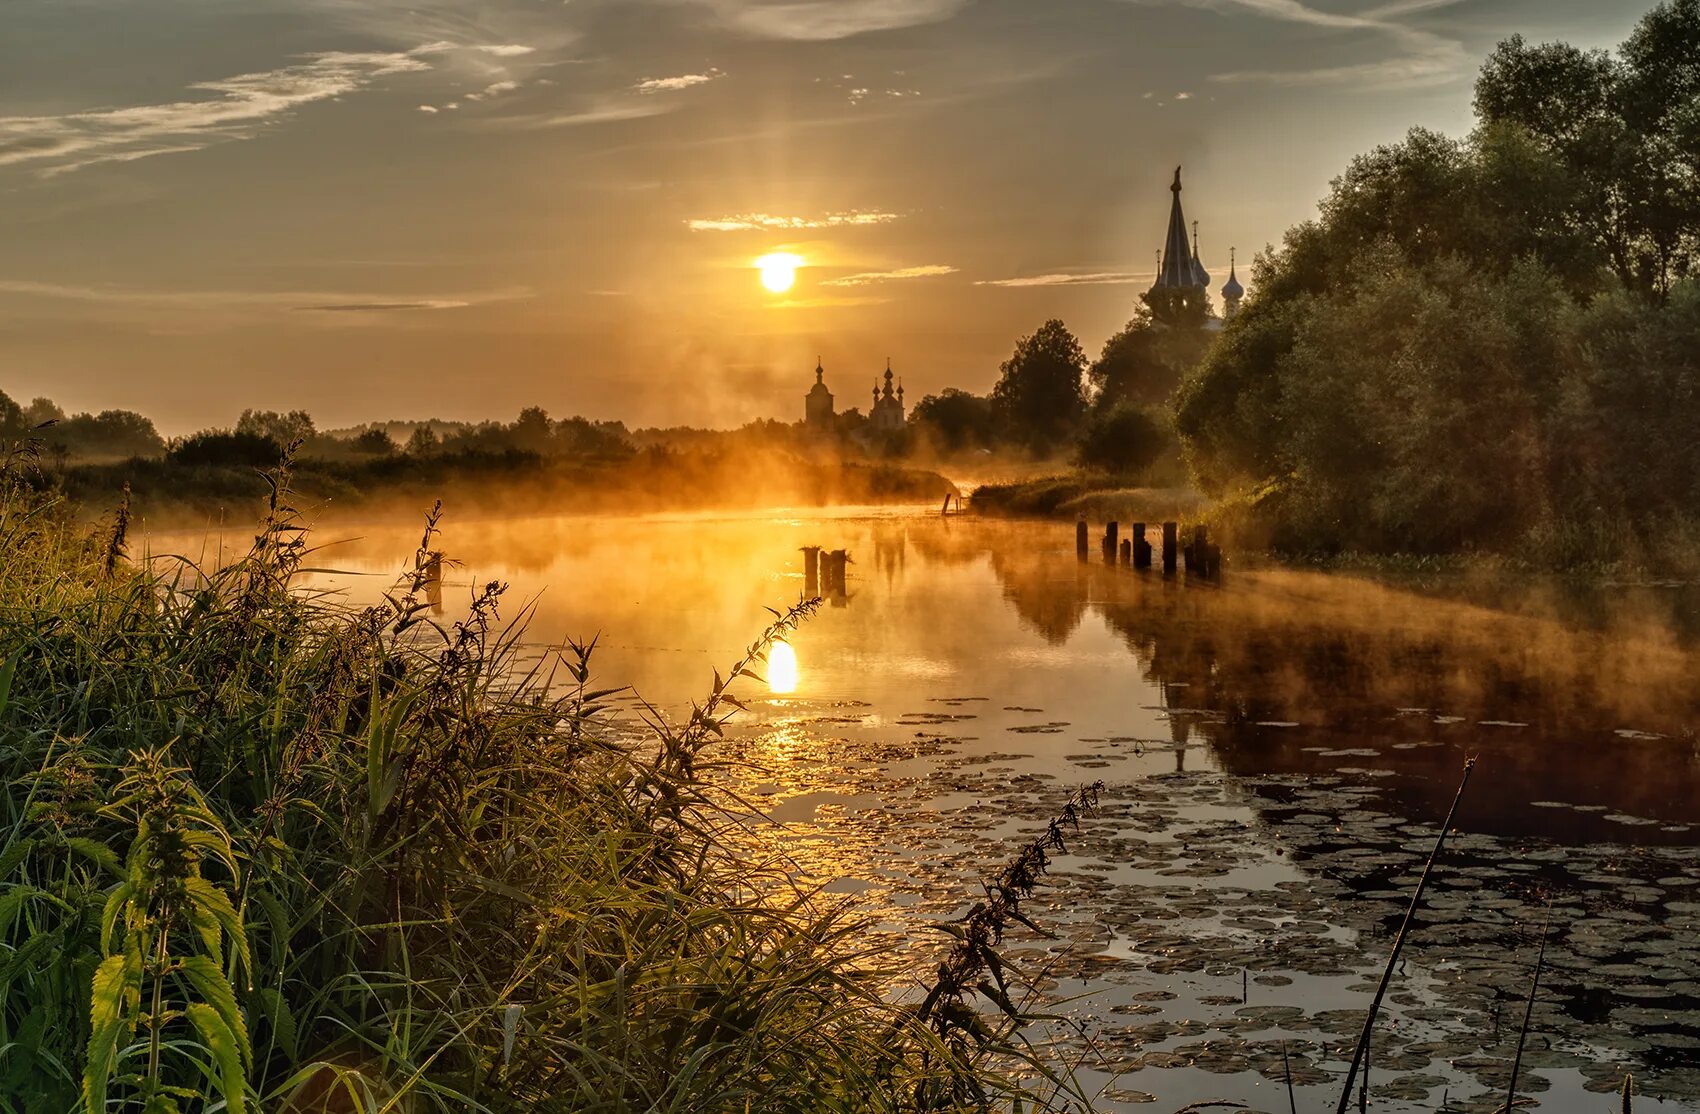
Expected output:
{"points": [[1123, 439], [376, 441], [11, 415], [1040, 394], [530, 431], [423, 441], [296, 425], [41, 411], [1145, 361], [954, 419]]}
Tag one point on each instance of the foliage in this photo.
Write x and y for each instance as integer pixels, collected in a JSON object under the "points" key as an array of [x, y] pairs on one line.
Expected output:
{"points": [[216, 447], [955, 420], [1040, 395], [1483, 343], [1145, 361], [284, 429], [264, 851], [1124, 439]]}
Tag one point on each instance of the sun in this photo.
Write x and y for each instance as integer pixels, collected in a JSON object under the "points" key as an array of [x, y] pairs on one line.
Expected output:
{"points": [[779, 270], [781, 669]]}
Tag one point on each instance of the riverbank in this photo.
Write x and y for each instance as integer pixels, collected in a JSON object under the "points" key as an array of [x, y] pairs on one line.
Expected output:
{"points": [[1097, 499], [168, 490]]}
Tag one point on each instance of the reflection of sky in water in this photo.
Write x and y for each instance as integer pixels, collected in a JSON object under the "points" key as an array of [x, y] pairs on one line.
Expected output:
{"points": [[973, 670]]}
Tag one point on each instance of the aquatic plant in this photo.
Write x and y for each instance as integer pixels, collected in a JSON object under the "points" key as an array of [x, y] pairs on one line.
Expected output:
{"points": [[262, 850]]}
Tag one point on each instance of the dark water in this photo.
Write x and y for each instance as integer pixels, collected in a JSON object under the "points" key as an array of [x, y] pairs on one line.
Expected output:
{"points": [[1277, 750]]}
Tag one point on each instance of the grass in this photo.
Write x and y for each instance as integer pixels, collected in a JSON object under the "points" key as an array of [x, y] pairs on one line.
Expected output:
{"points": [[1099, 498], [261, 851]]}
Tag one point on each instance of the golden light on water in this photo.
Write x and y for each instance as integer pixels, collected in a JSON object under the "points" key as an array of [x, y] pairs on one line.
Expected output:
{"points": [[779, 270], [782, 669]]}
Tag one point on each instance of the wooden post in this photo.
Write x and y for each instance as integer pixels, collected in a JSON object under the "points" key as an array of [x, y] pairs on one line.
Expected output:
{"points": [[811, 571], [1214, 562], [1080, 539], [1127, 551], [434, 581], [1200, 551], [835, 576], [1169, 546], [1141, 547]]}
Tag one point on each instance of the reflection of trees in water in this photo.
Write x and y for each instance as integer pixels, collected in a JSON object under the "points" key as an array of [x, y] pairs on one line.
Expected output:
{"points": [[1416, 681]]}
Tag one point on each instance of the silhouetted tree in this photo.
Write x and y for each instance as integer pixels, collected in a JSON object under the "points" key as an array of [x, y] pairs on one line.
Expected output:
{"points": [[1124, 439], [376, 441], [954, 419], [1040, 394], [296, 425]]}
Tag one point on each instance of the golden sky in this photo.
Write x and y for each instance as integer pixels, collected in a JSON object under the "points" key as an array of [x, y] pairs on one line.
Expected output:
{"points": [[416, 209]]}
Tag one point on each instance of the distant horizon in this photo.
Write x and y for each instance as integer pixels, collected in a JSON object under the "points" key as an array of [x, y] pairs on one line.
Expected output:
{"points": [[359, 209]]}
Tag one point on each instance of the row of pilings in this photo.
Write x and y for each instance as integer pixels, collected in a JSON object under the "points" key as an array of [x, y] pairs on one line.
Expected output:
{"points": [[1199, 556], [824, 571]]}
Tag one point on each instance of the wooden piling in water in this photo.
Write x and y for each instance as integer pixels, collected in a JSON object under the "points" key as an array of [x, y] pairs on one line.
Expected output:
{"points": [[835, 574], [1080, 539], [811, 570], [1127, 551], [1141, 547], [434, 580], [1170, 538]]}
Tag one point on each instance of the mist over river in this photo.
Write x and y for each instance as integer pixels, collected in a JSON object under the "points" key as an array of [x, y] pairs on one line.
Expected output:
{"points": [[1277, 751]]}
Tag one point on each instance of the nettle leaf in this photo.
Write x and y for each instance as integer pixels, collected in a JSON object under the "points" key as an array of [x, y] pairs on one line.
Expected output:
{"points": [[96, 852], [270, 1004], [114, 1002], [14, 854], [227, 1054], [207, 900], [208, 981]]}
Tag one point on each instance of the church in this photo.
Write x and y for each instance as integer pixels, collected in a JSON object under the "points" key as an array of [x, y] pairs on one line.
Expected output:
{"points": [[1179, 270], [885, 417]]}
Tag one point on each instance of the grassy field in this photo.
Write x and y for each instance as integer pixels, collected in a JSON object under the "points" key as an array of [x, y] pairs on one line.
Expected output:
{"points": [[265, 852]]}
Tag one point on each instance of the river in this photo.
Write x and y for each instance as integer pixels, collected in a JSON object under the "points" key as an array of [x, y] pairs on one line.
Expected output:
{"points": [[1277, 752]]}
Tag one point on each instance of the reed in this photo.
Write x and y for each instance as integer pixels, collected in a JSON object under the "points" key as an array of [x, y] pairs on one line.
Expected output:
{"points": [[262, 850]]}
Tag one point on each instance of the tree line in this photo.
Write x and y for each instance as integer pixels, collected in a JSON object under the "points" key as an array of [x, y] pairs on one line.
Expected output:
{"points": [[1490, 342]]}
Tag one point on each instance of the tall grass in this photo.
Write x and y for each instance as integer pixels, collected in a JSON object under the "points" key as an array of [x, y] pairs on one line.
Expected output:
{"points": [[260, 850]]}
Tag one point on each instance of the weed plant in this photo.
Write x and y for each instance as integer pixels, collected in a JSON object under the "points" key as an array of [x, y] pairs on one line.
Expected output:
{"points": [[260, 850]]}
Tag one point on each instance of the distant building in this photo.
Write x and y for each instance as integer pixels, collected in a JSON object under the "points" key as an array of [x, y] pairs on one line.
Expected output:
{"points": [[887, 414], [817, 404], [1179, 269]]}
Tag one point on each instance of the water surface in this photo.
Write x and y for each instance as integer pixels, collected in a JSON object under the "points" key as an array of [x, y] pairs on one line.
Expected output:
{"points": [[1277, 752]]}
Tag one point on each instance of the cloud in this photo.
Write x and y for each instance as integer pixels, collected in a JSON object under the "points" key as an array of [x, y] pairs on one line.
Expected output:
{"points": [[672, 84], [149, 302], [383, 307], [929, 271], [221, 111], [1098, 278], [1422, 57], [767, 222], [818, 20], [494, 89]]}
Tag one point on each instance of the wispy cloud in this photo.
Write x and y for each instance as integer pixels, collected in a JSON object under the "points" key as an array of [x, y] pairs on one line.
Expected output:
{"points": [[868, 277], [672, 84], [1059, 278], [1420, 57], [383, 307], [816, 20], [221, 111], [767, 222], [224, 304]]}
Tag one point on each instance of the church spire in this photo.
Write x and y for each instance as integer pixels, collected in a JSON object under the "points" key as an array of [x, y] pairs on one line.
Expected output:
{"points": [[1177, 269], [1232, 291]]}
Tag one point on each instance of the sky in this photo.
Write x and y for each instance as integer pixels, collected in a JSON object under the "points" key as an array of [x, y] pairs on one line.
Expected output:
{"points": [[372, 209]]}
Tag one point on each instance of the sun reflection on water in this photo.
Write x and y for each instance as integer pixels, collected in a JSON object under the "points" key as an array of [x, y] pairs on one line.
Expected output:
{"points": [[781, 669]]}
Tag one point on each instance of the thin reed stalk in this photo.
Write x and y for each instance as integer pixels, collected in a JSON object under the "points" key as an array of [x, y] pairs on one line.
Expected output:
{"points": [[1361, 1050]]}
